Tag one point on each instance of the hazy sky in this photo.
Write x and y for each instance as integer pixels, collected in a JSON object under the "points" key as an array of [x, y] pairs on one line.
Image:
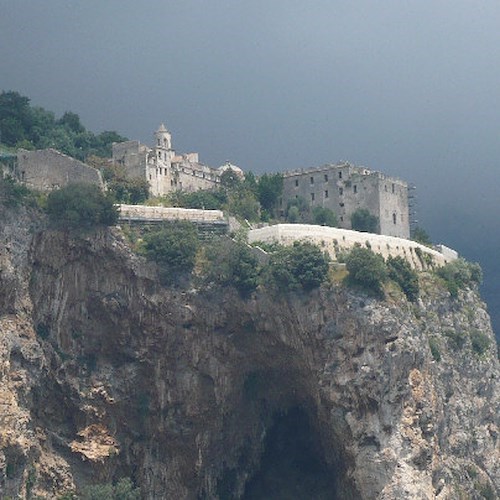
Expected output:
{"points": [[411, 88]]}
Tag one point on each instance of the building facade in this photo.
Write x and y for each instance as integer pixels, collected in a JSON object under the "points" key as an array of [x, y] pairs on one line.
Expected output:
{"points": [[48, 169], [344, 188], [163, 168]]}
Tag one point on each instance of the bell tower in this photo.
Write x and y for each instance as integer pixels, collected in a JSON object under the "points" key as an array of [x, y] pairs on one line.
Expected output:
{"points": [[163, 145], [163, 138]]}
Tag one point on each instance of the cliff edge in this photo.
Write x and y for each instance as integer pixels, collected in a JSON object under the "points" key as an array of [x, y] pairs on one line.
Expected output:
{"points": [[202, 394]]}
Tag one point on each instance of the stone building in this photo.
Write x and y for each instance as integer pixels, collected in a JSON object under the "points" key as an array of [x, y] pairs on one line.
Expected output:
{"points": [[344, 188], [48, 169], [164, 169]]}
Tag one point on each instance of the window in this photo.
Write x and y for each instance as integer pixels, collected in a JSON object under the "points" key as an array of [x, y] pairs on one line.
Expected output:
{"points": [[296, 182], [341, 191], [159, 143], [312, 196], [394, 218], [326, 193], [312, 180], [326, 177], [385, 187], [159, 154], [393, 188], [342, 220], [340, 174], [355, 188]]}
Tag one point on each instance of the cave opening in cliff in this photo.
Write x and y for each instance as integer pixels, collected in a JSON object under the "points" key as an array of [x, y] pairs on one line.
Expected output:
{"points": [[293, 464]]}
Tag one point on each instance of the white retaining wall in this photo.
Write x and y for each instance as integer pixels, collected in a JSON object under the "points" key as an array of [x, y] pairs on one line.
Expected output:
{"points": [[144, 212], [334, 241]]}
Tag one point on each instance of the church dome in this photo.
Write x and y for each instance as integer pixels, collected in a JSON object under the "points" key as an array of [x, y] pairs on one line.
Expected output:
{"points": [[229, 166]]}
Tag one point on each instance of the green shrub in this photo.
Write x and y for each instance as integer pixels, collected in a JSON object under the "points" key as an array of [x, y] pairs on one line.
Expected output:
{"points": [[173, 247], [456, 339], [12, 193], [323, 216], [420, 236], [434, 347], [301, 266], [485, 490], [212, 199], [231, 263], [480, 342], [133, 191], [42, 331], [298, 210], [401, 272], [363, 220], [122, 490], [269, 191], [68, 495], [366, 269], [459, 274], [243, 203], [81, 206]]}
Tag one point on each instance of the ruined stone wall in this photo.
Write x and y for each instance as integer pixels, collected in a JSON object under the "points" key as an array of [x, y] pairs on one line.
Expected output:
{"points": [[335, 241], [195, 176], [132, 156], [48, 169], [345, 188]]}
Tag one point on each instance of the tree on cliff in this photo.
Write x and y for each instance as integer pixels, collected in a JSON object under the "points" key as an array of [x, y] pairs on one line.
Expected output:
{"points": [[79, 206], [324, 217], [32, 127], [301, 266], [366, 269], [269, 192], [231, 263], [173, 248], [362, 220]]}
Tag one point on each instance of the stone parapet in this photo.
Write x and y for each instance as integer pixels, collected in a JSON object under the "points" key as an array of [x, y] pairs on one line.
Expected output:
{"points": [[336, 241], [144, 212]]}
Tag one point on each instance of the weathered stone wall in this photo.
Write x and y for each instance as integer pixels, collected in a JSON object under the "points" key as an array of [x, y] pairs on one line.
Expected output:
{"points": [[334, 241], [394, 212], [138, 212], [345, 188], [48, 169], [132, 156]]}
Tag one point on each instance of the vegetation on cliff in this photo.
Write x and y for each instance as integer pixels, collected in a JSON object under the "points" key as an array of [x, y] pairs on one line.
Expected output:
{"points": [[32, 127], [270, 383], [81, 206]]}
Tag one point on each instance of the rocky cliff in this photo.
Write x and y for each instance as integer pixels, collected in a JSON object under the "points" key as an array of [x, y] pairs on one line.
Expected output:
{"points": [[201, 394]]}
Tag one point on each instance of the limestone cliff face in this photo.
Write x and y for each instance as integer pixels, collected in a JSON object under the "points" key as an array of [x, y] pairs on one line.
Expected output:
{"points": [[201, 394]]}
